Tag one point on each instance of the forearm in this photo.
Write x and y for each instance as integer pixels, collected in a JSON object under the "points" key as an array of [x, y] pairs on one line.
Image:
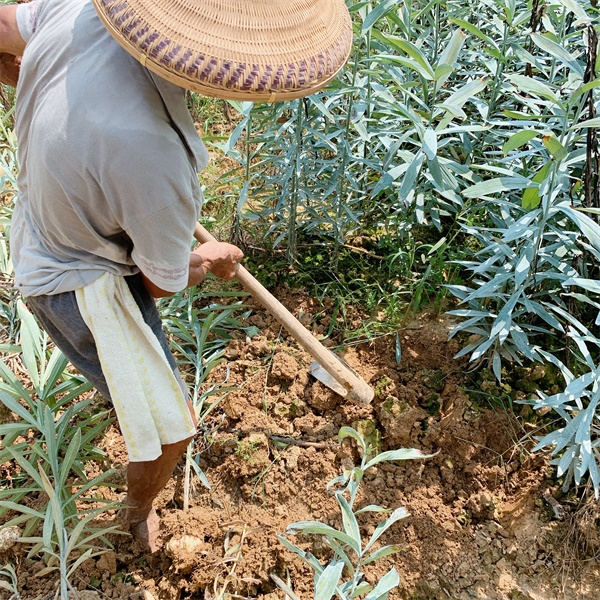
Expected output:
{"points": [[217, 257], [197, 272], [11, 41]]}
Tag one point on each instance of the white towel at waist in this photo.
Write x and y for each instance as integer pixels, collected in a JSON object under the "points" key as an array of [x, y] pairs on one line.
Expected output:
{"points": [[149, 402]]}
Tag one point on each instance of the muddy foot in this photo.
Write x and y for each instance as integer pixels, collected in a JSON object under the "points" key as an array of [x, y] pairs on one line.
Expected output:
{"points": [[147, 532]]}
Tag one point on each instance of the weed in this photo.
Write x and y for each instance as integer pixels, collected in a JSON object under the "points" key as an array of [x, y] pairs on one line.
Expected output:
{"points": [[342, 575], [198, 336], [247, 448], [10, 586]]}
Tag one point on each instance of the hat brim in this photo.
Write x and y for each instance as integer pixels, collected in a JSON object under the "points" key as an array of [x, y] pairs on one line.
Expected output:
{"points": [[212, 57]]}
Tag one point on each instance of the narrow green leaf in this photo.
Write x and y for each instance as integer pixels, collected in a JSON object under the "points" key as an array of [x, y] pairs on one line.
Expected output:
{"points": [[592, 285], [48, 527], [576, 8], [589, 123], [17, 408], [363, 588], [591, 85], [397, 515], [478, 33], [345, 432], [349, 520], [70, 456], [430, 143], [377, 13], [26, 466], [448, 58], [340, 553], [31, 342], [416, 55], [534, 86], [381, 553], [54, 370], [530, 198], [441, 73], [497, 185], [405, 62], [519, 139], [555, 148], [328, 580], [410, 177], [400, 454], [387, 583], [200, 474], [372, 508], [27, 510], [557, 51], [322, 529], [464, 93]]}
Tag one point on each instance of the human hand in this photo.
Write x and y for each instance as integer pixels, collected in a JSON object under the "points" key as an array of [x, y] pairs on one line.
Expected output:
{"points": [[10, 67], [220, 258]]}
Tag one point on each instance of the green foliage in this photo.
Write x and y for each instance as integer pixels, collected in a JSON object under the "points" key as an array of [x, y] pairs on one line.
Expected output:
{"points": [[342, 575], [9, 319], [461, 142], [199, 331], [49, 443], [9, 572]]}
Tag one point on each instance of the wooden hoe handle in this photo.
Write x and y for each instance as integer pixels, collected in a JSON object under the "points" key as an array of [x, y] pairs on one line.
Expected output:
{"points": [[357, 389]]}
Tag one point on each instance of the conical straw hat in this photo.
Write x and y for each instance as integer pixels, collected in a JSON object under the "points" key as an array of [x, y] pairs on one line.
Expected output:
{"points": [[260, 50]]}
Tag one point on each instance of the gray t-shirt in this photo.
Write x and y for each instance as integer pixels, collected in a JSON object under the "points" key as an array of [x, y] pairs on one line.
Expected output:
{"points": [[108, 157]]}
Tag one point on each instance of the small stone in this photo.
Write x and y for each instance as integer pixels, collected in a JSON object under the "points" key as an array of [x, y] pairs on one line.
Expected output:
{"points": [[9, 537]]}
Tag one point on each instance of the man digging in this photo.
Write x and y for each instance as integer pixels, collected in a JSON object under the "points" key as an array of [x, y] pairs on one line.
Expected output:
{"points": [[108, 187]]}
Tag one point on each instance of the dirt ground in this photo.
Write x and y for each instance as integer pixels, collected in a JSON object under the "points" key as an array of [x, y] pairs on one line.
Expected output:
{"points": [[480, 523]]}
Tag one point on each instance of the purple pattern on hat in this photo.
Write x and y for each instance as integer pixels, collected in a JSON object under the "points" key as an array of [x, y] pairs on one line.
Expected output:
{"points": [[321, 65], [149, 40], [262, 84], [123, 17], [302, 73], [138, 34], [278, 77], [181, 62], [313, 68], [154, 52], [208, 69], [225, 67], [171, 55], [235, 77], [115, 8], [194, 66], [130, 27], [291, 72], [193, 70], [253, 75]]}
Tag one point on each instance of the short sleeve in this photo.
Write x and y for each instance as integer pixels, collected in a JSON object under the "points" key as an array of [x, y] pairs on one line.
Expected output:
{"points": [[162, 244], [27, 19]]}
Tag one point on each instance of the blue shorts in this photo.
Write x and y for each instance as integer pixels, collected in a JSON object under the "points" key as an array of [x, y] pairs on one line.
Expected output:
{"points": [[60, 317]]}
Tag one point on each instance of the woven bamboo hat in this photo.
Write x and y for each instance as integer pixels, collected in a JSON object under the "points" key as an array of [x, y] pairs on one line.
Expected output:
{"points": [[260, 50]]}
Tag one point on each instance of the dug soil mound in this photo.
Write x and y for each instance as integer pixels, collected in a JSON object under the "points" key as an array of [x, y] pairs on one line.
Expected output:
{"points": [[480, 524]]}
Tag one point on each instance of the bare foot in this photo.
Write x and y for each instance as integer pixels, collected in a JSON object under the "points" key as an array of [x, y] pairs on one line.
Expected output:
{"points": [[147, 532]]}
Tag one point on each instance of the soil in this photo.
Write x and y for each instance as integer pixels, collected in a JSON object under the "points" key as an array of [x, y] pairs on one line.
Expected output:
{"points": [[480, 524]]}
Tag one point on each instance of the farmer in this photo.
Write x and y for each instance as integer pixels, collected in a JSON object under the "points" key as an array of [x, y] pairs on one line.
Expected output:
{"points": [[108, 187]]}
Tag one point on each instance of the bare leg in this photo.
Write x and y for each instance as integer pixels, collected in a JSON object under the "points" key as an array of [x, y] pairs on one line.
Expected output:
{"points": [[145, 480]]}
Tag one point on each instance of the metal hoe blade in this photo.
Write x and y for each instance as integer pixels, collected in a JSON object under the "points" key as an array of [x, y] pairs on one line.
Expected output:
{"points": [[318, 372], [364, 395]]}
